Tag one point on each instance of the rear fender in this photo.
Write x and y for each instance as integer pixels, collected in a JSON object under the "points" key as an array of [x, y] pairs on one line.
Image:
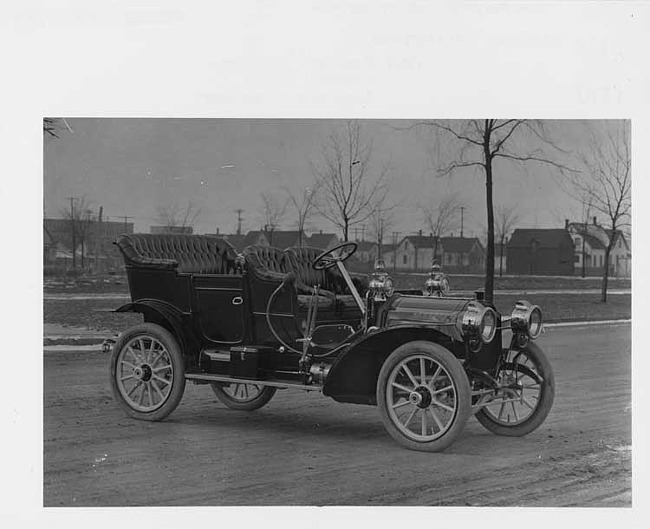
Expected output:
{"points": [[170, 318], [353, 376]]}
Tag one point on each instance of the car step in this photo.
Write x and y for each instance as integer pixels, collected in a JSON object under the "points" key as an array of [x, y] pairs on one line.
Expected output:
{"points": [[222, 378]]}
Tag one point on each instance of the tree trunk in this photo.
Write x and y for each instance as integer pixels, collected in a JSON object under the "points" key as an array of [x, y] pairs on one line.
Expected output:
{"points": [[489, 265], [501, 257], [608, 250]]}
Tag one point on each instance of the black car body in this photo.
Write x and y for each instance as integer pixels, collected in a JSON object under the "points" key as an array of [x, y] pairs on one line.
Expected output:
{"points": [[249, 324]]}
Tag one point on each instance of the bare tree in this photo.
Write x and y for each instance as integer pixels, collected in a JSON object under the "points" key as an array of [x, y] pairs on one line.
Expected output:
{"points": [[272, 213], [304, 203], [52, 126], [349, 192], [173, 215], [382, 220], [606, 184], [440, 217], [479, 144], [506, 218], [80, 216]]}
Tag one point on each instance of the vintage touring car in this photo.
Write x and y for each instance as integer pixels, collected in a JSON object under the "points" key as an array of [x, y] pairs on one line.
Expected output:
{"points": [[248, 324]]}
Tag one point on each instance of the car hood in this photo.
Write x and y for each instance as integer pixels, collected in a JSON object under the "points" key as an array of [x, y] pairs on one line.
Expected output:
{"points": [[443, 314]]}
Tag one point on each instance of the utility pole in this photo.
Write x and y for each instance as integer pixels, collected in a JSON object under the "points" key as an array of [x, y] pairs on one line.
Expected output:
{"points": [[125, 217], [462, 211], [239, 219], [74, 236]]}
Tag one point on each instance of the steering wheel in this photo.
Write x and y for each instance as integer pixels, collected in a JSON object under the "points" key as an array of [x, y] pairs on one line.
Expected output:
{"points": [[330, 257]]}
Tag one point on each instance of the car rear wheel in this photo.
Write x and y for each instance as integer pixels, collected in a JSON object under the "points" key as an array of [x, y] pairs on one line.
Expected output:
{"points": [[423, 396], [147, 372], [526, 397], [245, 397]]}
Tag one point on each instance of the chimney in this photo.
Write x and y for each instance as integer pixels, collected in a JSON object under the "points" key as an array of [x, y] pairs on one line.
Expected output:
{"points": [[420, 233], [595, 223], [566, 224], [217, 231], [321, 232]]}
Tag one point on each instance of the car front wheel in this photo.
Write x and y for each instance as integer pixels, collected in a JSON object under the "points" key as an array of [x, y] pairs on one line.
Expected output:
{"points": [[244, 397], [423, 396], [147, 372], [527, 391]]}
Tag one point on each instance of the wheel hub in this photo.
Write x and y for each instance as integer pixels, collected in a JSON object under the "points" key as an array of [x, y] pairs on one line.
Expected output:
{"points": [[421, 397], [143, 372]]}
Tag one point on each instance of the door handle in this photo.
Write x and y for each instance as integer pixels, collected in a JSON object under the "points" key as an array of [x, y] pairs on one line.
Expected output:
{"points": [[237, 300]]}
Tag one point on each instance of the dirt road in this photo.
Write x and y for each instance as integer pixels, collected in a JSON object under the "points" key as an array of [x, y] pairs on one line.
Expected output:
{"points": [[305, 449]]}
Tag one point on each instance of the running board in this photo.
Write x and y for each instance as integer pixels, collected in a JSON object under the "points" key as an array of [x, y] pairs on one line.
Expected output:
{"points": [[223, 378]]}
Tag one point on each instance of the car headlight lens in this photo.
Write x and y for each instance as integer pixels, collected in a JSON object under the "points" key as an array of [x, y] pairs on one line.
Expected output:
{"points": [[527, 319], [479, 322]]}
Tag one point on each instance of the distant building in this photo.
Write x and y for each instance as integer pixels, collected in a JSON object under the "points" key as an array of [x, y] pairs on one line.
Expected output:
{"points": [[366, 251], [500, 258], [457, 254], [176, 230], [93, 240], [285, 239], [540, 251], [241, 241], [324, 241], [590, 241]]}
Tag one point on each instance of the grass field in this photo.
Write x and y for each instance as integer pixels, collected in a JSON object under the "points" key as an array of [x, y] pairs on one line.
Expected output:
{"points": [[119, 284], [94, 313]]}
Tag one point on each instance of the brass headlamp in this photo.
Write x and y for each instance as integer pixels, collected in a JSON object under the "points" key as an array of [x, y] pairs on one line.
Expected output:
{"points": [[479, 322], [526, 319]]}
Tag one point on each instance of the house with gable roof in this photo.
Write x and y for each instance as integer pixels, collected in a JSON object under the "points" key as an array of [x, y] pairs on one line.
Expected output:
{"points": [[456, 254], [540, 252], [324, 241], [590, 241]]}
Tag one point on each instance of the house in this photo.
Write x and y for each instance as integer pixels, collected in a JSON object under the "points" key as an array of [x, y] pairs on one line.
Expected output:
{"points": [[324, 241], [177, 230], [240, 241], [456, 254], [540, 251], [93, 242], [590, 241], [366, 251], [462, 255], [415, 252], [500, 258]]}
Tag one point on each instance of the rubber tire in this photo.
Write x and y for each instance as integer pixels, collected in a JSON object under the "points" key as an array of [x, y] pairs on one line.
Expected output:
{"points": [[545, 401], [463, 394], [251, 405], [178, 364]]}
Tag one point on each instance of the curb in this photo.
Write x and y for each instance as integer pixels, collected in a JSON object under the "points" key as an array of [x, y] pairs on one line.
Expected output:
{"points": [[73, 340], [585, 323]]}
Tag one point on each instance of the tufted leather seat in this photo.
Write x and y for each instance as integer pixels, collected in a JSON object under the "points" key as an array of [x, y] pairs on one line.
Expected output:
{"points": [[192, 254], [267, 262], [272, 263], [302, 259]]}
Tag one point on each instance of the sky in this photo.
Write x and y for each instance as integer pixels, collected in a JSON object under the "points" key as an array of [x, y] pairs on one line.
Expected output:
{"points": [[132, 167]]}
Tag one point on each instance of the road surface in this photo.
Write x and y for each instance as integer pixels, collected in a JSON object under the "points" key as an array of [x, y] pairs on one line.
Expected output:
{"points": [[306, 449]]}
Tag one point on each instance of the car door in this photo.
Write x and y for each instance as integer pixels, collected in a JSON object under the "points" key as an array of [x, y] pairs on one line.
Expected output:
{"points": [[220, 304]]}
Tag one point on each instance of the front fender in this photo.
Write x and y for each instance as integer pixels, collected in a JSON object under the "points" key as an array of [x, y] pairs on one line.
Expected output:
{"points": [[353, 376], [167, 316]]}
